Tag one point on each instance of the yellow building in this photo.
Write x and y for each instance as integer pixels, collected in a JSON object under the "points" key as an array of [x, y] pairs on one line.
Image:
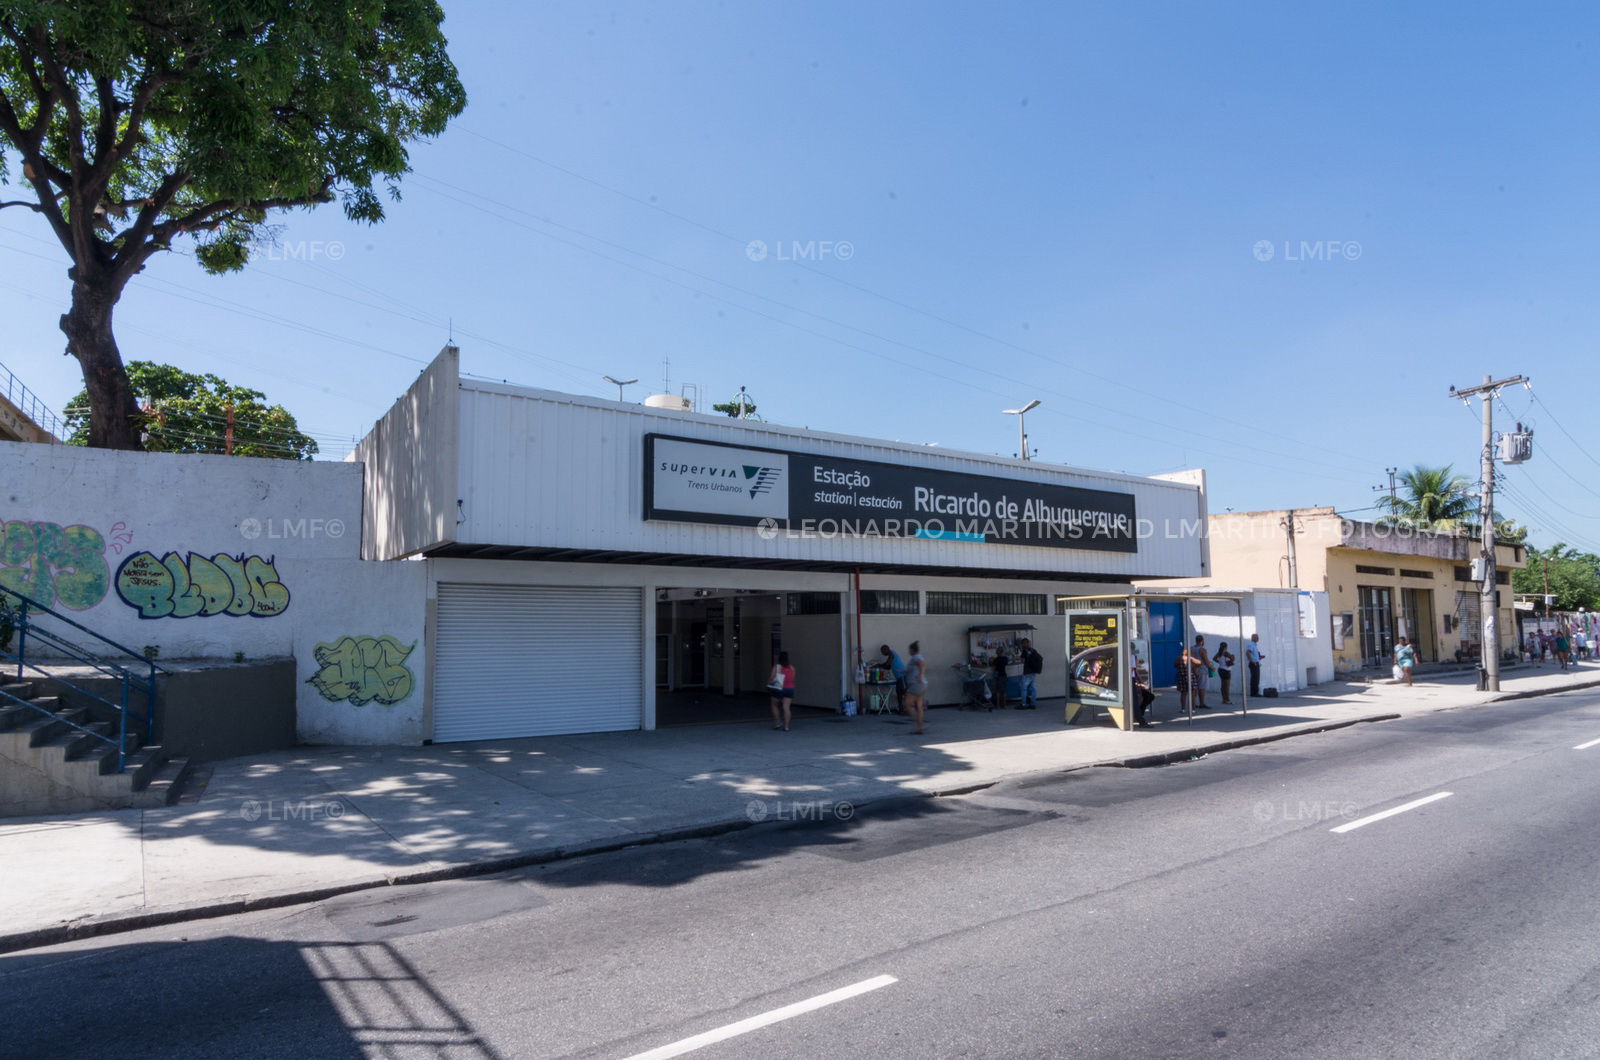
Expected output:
{"points": [[1383, 582]]}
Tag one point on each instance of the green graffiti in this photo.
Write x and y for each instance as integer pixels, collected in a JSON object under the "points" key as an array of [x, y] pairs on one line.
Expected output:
{"points": [[363, 670], [54, 564], [172, 587]]}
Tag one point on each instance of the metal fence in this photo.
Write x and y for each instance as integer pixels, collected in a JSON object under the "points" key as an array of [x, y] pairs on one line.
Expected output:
{"points": [[28, 403]]}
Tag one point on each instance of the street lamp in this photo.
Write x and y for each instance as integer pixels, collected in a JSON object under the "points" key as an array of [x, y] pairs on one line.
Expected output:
{"points": [[620, 384], [1022, 434]]}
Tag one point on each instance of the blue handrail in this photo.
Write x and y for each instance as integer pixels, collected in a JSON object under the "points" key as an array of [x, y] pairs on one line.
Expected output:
{"points": [[127, 681]]}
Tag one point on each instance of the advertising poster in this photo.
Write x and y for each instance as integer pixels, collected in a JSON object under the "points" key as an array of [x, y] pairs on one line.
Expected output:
{"points": [[1096, 666]]}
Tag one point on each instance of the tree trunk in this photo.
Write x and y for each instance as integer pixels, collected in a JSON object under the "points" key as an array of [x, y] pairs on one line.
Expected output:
{"points": [[114, 418]]}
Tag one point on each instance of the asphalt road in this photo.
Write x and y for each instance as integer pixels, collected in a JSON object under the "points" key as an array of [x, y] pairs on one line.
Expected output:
{"points": [[1200, 909]]}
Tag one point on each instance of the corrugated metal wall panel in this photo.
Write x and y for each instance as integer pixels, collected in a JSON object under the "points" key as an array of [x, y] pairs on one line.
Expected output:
{"points": [[535, 661], [548, 470]]}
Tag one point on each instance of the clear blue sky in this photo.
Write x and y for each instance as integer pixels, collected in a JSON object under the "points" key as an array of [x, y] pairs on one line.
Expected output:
{"points": [[1052, 201]]}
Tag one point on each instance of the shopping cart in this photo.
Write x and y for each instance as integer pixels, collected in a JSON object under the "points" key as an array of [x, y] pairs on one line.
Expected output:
{"points": [[976, 692]]}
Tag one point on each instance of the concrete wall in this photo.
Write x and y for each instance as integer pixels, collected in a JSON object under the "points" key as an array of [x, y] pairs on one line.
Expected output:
{"points": [[218, 558], [411, 461], [208, 712]]}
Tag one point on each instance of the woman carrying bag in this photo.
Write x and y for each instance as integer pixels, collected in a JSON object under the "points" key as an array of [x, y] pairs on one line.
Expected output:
{"points": [[781, 687]]}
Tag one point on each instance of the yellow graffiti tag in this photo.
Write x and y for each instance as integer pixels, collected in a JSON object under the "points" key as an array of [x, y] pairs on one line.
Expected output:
{"points": [[172, 587], [363, 670]]}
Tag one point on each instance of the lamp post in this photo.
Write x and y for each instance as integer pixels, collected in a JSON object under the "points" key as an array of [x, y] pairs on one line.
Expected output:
{"points": [[620, 383], [1022, 434]]}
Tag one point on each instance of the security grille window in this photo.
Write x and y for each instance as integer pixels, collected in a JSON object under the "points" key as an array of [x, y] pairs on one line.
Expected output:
{"points": [[1065, 604], [1463, 574], [1416, 573], [986, 603], [889, 602], [813, 603], [1374, 570]]}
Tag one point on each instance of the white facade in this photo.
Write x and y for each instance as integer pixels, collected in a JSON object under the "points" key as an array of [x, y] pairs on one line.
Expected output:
{"points": [[529, 505], [1293, 624]]}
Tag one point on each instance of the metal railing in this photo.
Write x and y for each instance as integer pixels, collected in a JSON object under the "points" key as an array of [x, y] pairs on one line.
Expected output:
{"points": [[28, 403], [23, 615]]}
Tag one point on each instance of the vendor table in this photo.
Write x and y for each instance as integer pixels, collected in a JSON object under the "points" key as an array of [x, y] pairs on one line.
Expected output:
{"points": [[876, 697]]}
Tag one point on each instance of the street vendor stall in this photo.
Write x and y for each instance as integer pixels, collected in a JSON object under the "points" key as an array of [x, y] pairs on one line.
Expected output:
{"points": [[984, 641]]}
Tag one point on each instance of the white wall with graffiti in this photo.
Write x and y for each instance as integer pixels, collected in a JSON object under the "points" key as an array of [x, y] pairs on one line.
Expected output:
{"points": [[223, 558]]}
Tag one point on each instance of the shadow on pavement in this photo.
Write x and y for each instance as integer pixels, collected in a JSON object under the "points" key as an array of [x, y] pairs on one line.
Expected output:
{"points": [[232, 997]]}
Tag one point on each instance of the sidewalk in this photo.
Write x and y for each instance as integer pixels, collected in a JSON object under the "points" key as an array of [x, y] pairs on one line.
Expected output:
{"points": [[300, 825]]}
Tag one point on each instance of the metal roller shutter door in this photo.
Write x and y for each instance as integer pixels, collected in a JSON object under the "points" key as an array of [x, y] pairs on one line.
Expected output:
{"points": [[517, 660]]}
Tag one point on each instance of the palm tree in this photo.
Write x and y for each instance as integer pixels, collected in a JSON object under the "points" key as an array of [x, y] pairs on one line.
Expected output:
{"points": [[1434, 498]]}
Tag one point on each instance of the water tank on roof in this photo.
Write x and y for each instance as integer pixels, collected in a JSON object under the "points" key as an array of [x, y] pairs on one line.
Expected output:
{"points": [[675, 402]]}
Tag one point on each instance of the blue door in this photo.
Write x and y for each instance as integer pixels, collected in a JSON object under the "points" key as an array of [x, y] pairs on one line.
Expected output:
{"points": [[1166, 641]]}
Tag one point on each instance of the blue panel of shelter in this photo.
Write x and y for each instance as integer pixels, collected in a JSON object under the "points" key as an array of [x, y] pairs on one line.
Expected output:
{"points": [[1166, 641]]}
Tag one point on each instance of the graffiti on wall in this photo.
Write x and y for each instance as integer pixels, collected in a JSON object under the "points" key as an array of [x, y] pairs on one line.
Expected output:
{"points": [[174, 587], [363, 670], [54, 564]]}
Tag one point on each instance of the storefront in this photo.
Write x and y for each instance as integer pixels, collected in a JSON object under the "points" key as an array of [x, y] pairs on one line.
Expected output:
{"points": [[595, 565]]}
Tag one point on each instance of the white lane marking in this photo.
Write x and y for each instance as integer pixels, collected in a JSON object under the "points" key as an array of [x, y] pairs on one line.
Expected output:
{"points": [[1582, 746], [1390, 813], [733, 1030]]}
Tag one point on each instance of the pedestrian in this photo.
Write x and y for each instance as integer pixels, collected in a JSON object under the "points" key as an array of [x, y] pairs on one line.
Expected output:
{"points": [[998, 666], [892, 662], [1183, 676], [1405, 657], [1202, 670], [1580, 644], [1563, 647], [916, 702], [782, 684], [1224, 660], [1252, 661], [1532, 648], [1032, 667], [1142, 696]]}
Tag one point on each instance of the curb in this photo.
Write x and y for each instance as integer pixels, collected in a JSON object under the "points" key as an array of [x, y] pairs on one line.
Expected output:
{"points": [[120, 923]]}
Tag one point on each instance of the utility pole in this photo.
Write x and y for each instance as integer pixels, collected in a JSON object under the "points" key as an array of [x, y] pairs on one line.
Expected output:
{"points": [[1390, 471], [227, 441], [1287, 522], [1488, 594]]}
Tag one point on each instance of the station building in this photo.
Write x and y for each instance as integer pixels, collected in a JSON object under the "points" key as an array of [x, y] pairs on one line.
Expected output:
{"points": [[594, 565]]}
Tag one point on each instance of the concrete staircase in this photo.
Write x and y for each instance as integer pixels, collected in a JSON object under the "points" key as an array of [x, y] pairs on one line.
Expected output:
{"points": [[47, 766]]}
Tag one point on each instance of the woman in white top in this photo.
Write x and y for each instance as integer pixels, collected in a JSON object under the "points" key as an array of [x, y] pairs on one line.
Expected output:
{"points": [[916, 701]]}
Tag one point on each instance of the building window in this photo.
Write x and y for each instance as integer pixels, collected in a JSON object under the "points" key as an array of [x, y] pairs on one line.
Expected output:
{"points": [[986, 604], [1416, 573], [1501, 577], [1374, 570], [889, 602], [813, 603]]}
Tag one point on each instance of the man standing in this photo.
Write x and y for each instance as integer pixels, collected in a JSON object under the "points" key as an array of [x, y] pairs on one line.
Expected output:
{"points": [[1252, 657], [1032, 667]]}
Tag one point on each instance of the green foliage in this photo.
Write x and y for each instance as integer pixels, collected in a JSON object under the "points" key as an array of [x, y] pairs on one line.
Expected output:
{"points": [[189, 414], [1432, 498], [734, 408], [140, 122], [1574, 577]]}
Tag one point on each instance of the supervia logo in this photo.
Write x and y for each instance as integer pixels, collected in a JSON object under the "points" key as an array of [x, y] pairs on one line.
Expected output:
{"points": [[761, 479]]}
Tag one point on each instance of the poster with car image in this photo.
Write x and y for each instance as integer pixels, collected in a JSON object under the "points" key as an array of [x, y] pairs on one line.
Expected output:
{"points": [[1095, 666]]}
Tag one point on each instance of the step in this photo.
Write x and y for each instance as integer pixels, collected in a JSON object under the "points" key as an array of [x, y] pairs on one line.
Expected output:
{"points": [[13, 716], [49, 726], [164, 786], [143, 764], [20, 689], [79, 744]]}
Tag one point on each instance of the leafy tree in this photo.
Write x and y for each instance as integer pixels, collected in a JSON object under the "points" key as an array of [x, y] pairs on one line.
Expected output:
{"points": [[739, 406], [139, 122], [189, 413], [1574, 577], [1433, 498]]}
